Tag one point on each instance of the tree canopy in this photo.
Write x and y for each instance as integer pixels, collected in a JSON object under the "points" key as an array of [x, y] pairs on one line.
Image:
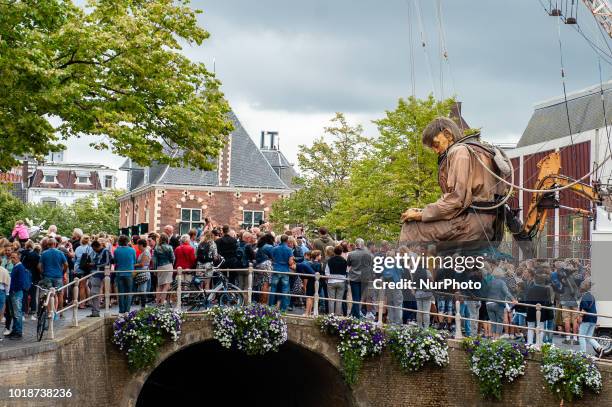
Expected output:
{"points": [[381, 177], [326, 167], [93, 214], [112, 69]]}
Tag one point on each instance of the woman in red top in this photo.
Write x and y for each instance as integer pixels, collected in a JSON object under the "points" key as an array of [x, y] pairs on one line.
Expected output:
{"points": [[185, 254]]}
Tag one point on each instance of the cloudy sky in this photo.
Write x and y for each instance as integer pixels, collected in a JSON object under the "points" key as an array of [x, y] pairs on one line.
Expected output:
{"points": [[289, 65]]}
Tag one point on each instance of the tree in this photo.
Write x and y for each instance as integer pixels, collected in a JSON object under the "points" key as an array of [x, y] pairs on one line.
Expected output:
{"points": [[93, 214], [326, 167], [112, 70], [10, 209], [96, 214], [397, 173]]}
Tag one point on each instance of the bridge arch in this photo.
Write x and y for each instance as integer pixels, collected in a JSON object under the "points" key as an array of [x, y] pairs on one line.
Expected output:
{"points": [[197, 368]]}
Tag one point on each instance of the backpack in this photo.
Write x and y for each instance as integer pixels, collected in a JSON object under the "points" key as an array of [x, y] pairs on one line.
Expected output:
{"points": [[391, 274], [243, 261], [203, 254], [85, 263]]}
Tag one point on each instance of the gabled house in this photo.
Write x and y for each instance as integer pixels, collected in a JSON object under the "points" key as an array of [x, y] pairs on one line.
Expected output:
{"points": [[239, 192]]}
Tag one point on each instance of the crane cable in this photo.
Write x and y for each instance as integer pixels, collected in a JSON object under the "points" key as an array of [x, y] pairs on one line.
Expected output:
{"points": [[411, 43], [425, 50]]}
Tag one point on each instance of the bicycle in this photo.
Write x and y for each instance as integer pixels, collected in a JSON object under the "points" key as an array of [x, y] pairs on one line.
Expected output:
{"points": [[42, 313], [221, 294]]}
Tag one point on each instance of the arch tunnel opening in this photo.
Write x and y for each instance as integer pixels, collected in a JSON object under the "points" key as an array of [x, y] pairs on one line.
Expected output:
{"points": [[206, 372]]}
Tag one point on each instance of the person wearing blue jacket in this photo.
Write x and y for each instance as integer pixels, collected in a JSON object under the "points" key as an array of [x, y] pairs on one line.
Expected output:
{"points": [[588, 323], [18, 285]]}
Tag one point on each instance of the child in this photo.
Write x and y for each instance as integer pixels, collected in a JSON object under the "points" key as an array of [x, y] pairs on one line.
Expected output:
{"points": [[20, 232]]}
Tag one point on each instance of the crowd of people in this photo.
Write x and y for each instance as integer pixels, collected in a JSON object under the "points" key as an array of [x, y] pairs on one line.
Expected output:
{"points": [[346, 268]]}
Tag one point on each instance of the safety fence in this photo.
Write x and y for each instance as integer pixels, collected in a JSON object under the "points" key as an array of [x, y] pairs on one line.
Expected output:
{"points": [[51, 300]]}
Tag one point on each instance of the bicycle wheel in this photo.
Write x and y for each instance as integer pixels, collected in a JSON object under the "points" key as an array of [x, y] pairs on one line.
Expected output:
{"points": [[231, 299], [41, 324]]}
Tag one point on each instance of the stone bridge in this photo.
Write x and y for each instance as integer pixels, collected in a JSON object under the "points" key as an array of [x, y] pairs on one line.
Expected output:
{"points": [[305, 372]]}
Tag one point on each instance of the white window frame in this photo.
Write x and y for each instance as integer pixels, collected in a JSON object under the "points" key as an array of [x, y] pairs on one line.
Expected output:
{"points": [[49, 201], [44, 180], [87, 180], [186, 225], [253, 222], [108, 178]]}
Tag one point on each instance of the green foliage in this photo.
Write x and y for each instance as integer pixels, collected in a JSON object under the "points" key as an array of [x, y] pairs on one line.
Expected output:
{"points": [[567, 373], [357, 339], [413, 347], [360, 186], [93, 214], [326, 167], [96, 214], [10, 210], [112, 70], [397, 173], [494, 362], [254, 329], [141, 333]]}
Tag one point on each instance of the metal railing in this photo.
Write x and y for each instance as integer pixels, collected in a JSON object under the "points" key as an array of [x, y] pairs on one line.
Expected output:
{"points": [[51, 300]]}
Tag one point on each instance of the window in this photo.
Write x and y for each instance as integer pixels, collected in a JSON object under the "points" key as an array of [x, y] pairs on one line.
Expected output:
{"points": [[49, 179], [81, 179], [251, 218], [190, 219], [49, 201], [108, 181]]}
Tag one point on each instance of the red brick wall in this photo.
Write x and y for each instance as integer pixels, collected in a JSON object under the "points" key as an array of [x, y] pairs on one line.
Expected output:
{"points": [[223, 207]]}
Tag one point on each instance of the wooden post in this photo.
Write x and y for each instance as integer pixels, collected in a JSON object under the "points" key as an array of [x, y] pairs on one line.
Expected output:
{"points": [[75, 302], [458, 333], [315, 307]]}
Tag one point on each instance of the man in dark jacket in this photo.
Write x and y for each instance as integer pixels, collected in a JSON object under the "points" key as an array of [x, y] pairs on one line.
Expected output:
{"points": [[227, 247], [30, 259]]}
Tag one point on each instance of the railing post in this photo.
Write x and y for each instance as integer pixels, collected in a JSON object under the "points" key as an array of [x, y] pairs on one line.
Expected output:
{"points": [[250, 285], [381, 307], [75, 302], [51, 312], [458, 333], [538, 330], [107, 291], [349, 294], [179, 287], [315, 307]]}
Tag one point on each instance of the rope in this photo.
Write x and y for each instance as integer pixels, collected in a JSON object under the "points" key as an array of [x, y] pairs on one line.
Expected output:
{"points": [[538, 191]]}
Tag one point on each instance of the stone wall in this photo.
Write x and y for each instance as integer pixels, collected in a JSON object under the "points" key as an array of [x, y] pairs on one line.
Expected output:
{"points": [[84, 360], [76, 360]]}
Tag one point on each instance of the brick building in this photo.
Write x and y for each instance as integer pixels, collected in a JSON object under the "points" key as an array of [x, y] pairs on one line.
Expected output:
{"points": [[239, 192], [578, 133], [61, 183]]}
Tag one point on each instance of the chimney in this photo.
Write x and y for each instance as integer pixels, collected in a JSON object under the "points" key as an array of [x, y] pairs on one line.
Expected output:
{"points": [[273, 140], [263, 140], [25, 179]]}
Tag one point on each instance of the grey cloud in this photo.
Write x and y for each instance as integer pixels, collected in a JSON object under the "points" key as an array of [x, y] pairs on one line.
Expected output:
{"points": [[353, 56]]}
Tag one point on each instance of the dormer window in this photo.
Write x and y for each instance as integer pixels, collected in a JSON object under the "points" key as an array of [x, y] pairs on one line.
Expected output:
{"points": [[82, 179], [49, 179]]}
